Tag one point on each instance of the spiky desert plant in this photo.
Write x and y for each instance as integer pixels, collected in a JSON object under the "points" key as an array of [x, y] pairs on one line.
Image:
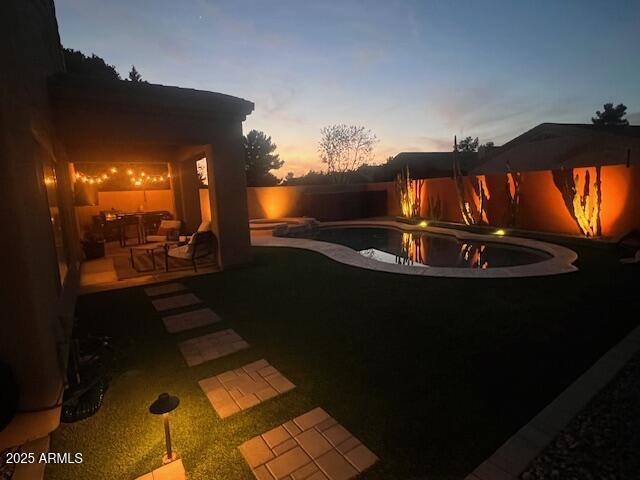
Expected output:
{"points": [[410, 193]]}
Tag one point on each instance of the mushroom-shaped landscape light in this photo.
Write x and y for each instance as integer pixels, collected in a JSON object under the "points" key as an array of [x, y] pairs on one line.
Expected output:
{"points": [[163, 405]]}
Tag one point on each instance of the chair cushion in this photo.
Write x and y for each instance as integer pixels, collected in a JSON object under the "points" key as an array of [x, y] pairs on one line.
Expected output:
{"points": [[182, 252], [156, 238], [167, 226]]}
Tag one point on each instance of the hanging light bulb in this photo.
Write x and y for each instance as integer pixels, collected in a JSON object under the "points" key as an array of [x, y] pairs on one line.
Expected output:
{"points": [[114, 169], [129, 172]]}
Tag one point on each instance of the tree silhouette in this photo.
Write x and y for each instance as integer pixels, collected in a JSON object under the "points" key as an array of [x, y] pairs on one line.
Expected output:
{"points": [[93, 66], [260, 159], [344, 148], [468, 145], [611, 115], [134, 76]]}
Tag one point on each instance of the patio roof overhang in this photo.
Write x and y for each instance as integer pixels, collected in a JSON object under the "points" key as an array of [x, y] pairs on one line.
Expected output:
{"points": [[91, 111]]}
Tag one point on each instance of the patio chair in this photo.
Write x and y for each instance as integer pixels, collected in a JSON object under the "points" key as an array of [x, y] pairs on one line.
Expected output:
{"points": [[204, 226], [152, 221], [127, 224], [634, 259], [166, 229], [200, 245]]}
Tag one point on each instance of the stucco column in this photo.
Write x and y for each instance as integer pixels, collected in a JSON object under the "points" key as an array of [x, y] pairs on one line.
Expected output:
{"points": [[185, 184], [174, 172], [228, 196]]}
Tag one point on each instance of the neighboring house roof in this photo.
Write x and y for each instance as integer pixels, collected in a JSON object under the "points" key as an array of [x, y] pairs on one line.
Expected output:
{"points": [[433, 164], [551, 146], [147, 96]]}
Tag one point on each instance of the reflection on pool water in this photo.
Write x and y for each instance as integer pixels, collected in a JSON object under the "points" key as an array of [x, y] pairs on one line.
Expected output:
{"points": [[429, 249]]}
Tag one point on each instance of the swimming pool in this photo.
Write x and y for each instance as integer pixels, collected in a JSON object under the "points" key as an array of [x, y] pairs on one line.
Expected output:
{"points": [[427, 249]]}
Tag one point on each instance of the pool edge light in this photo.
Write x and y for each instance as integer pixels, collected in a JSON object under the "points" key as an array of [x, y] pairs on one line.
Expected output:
{"points": [[423, 224], [500, 232]]}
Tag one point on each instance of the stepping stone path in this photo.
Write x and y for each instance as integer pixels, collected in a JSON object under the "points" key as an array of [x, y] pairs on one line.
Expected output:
{"points": [[212, 346], [242, 388], [164, 289], [170, 471], [311, 446], [177, 301], [191, 319]]}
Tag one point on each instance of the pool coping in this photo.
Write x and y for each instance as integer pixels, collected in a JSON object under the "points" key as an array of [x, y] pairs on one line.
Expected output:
{"points": [[515, 455], [561, 260]]}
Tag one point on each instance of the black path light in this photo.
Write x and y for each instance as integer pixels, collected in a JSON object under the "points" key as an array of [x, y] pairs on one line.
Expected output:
{"points": [[163, 405]]}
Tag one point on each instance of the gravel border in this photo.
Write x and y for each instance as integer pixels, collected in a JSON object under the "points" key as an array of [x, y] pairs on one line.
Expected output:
{"points": [[603, 441]]}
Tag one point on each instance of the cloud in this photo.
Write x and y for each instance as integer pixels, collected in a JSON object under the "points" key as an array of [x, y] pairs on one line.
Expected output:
{"points": [[369, 56], [475, 106], [495, 112], [412, 22], [430, 144], [237, 27], [634, 118]]}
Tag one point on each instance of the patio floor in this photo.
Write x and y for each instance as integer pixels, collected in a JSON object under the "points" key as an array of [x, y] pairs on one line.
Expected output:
{"points": [[101, 274], [431, 374]]}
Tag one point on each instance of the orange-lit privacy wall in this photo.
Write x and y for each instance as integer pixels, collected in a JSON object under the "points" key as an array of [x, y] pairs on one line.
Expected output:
{"points": [[541, 205]]}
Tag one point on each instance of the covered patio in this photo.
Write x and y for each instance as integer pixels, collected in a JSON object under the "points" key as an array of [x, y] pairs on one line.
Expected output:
{"points": [[152, 137]]}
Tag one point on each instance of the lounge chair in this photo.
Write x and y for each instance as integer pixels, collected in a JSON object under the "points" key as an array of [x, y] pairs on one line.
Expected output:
{"points": [[165, 231], [200, 245], [634, 259], [203, 227]]}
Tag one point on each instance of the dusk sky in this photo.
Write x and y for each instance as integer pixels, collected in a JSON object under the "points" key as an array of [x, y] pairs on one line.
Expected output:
{"points": [[416, 73]]}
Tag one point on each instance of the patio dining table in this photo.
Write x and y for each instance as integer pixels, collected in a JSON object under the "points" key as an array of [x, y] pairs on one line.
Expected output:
{"points": [[119, 221]]}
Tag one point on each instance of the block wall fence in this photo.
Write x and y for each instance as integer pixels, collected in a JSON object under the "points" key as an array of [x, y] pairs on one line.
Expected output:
{"points": [[541, 205]]}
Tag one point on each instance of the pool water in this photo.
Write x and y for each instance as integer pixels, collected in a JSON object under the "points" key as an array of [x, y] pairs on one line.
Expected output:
{"points": [[428, 249]]}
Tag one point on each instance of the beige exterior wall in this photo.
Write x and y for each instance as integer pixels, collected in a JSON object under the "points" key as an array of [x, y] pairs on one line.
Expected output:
{"points": [[37, 306], [227, 196], [125, 201], [278, 202], [205, 205]]}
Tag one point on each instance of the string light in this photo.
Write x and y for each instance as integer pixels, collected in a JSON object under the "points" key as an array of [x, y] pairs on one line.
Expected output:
{"points": [[136, 179]]}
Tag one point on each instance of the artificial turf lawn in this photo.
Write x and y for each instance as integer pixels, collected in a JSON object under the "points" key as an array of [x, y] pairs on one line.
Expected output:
{"points": [[431, 374]]}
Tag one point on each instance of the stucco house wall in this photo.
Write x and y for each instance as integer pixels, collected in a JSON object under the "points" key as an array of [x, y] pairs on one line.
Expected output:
{"points": [[37, 302]]}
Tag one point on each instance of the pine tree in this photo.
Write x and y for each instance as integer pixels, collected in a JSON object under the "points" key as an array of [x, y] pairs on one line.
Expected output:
{"points": [[134, 76], [611, 115]]}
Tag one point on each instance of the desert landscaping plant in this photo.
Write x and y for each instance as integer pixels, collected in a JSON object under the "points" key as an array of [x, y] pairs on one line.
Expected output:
{"points": [[410, 194]]}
